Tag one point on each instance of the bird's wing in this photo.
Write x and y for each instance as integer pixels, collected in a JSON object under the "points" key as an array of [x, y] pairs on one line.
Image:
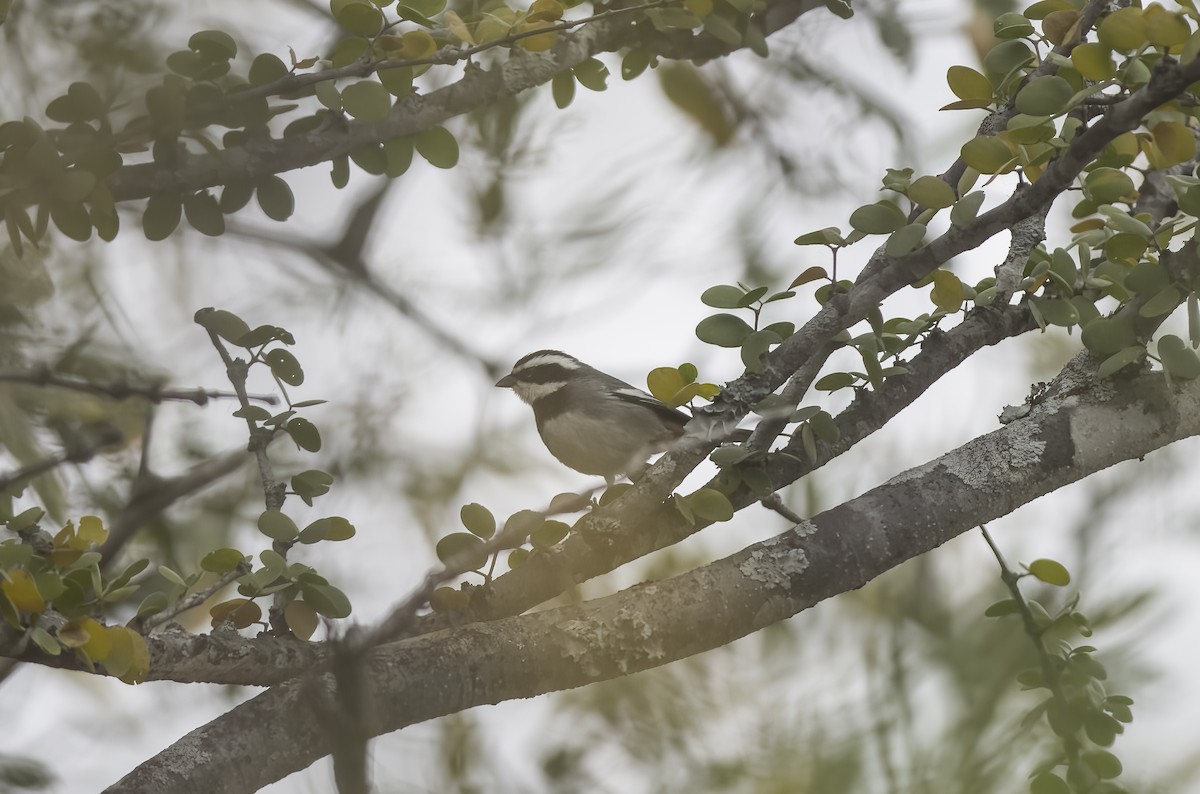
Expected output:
{"points": [[638, 397]]}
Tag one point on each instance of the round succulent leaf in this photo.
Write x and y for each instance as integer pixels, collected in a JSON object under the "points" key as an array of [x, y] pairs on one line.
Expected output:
{"points": [[327, 600], [162, 215], [304, 433], [1048, 783], [151, 605], [634, 63], [332, 528], [825, 427], [710, 505], [1165, 28], [213, 45], [592, 74], [723, 330], [947, 293], [204, 213], [810, 274], [568, 503], [1005, 58], [462, 548], [1163, 302], [1175, 144], [1108, 335], [905, 239], [224, 324], [968, 84], [301, 618], [19, 587], [399, 155], [517, 558], [549, 534], [1047, 95], [1094, 61], [1025, 129], [1106, 765], [532, 40], [830, 235], [1050, 572], [1058, 311], [285, 366], [478, 520], [834, 381], [275, 198], [1011, 25], [1124, 30], [932, 192], [722, 29], [882, 217], [72, 219], [988, 154], [1060, 25], [1119, 360], [757, 345], [447, 599], [1108, 185], [277, 525], [437, 146], [562, 89], [225, 560], [235, 195], [367, 100], [267, 68], [1177, 358], [664, 383], [723, 296], [357, 16]]}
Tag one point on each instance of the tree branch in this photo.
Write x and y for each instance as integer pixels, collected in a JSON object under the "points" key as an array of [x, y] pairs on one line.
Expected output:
{"points": [[1082, 427]]}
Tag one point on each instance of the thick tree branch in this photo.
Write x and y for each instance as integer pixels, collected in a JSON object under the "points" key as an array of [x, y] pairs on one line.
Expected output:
{"points": [[479, 87], [1081, 427]]}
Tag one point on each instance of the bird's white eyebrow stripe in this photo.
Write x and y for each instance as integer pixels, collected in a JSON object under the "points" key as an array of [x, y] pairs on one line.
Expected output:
{"points": [[548, 359]]}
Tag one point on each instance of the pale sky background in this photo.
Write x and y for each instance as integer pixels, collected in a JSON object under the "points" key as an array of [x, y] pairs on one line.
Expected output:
{"points": [[625, 320]]}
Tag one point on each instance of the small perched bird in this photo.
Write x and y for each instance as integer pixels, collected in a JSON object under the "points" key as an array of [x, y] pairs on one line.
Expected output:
{"points": [[589, 420]]}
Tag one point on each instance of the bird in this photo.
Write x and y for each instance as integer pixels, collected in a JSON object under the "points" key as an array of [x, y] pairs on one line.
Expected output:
{"points": [[591, 421]]}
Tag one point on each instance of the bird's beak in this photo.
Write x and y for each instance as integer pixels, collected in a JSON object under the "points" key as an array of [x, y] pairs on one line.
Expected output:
{"points": [[507, 382]]}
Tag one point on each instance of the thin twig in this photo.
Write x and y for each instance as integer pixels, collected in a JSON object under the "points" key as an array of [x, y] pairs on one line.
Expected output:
{"points": [[196, 599], [120, 390]]}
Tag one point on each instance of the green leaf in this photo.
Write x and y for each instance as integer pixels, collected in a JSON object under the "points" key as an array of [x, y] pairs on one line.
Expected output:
{"points": [[562, 88], [1047, 95], [592, 74], [882, 217], [304, 433], [988, 155], [947, 293], [162, 215], [1048, 783], [267, 68], [478, 520], [966, 83], [830, 235], [275, 198], [1050, 572], [357, 16], [224, 324], [711, 505], [204, 214], [277, 526], [723, 330], [1177, 358], [301, 618], [723, 296], [367, 100], [1106, 185], [285, 366], [548, 534], [1164, 302], [931, 192], [634, 63], [1119, 360], [906, 239], [152, 604], [437, 146], [1124, 30], [461, 543], [326, 600], [332, 528], [399, 155], [834, 381], [1108, 335], [1007, 606], [221, 561], [1106, 765]]}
